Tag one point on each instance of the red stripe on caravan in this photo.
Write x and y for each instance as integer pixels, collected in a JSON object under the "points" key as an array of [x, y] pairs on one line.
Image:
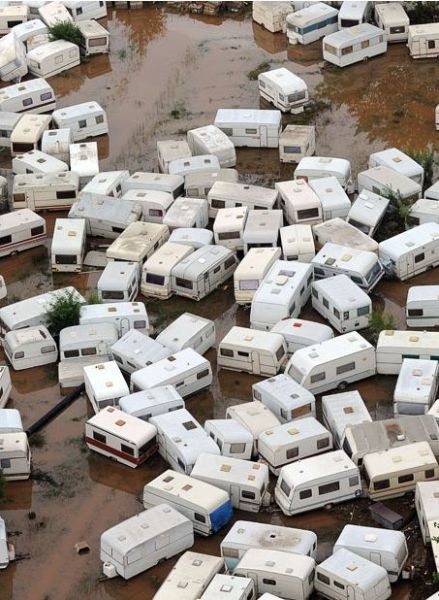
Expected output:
{"points": [[24, 243], [124, 455]]}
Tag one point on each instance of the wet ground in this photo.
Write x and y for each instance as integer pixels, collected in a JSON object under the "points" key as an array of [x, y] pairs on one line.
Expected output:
{"points": [[159, 64]]}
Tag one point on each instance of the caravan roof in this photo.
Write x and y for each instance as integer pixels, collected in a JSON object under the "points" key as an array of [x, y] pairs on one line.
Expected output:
{"points": [[253, 338], [262, 226], [137, 240], [166, 257], [344, 293], [283, 278], [18, 219], [410, 456], [10, 420], [243, 193], [248, 116], [81, 334], [315, 467], [409, 340], [346, 409], [396, 159], [229, 469], [353, 568], [84, 158], [320, 164], [416, 378], [102, 182], [423, 293], [339, 232], [299, 193], [142, 349], [343, 257], [68, 236], [349, 35], [200, 261], [389, 178], [285, 80], [122, 425], [25, 88], [276, 561], [113, 210], [174, 364], [254, 263], [230, 430], [368, 207], [408, 241], [291, 432]]}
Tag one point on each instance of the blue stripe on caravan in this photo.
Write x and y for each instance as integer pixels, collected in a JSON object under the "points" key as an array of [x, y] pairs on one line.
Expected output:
{"points": [[221, 516]]}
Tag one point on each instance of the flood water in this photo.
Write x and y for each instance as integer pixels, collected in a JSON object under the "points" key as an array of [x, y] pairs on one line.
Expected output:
{"points": [[162, 63]]}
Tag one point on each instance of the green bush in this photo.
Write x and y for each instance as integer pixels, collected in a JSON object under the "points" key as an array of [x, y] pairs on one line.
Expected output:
{"points": [[65, 30], [261, 68], [423, 12], [379, 321], [64, 312], [426, 159], [93, 298]]}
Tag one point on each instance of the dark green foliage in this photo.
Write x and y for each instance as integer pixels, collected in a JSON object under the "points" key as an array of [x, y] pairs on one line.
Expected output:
{"points": [[253, 74], [379, 321], [423, 12], [426, 159], [93, 298], [397, 213], [64, 30], [64, 312]]}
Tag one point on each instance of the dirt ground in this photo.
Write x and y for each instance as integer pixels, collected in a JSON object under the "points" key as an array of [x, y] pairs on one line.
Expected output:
{"points": [[167, 73]]}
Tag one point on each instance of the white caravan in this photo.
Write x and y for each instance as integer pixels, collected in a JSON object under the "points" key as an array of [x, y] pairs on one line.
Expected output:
{"points": [[54, 12], [339, 231], [194, 164], [299, 202], [297, 243], [290, 442], [15, 456], [382, 180], [262, 229], [26, 135], [106, 183], [13, 64], [104, 385], [105, 216], [208, 507], [187, 212], [137, 243], [289, 575], [52, 58], [30, 347], [251, 351], [346, 574], [211, 140], [8, 121], [311, 23], [188, 331], [244, 535], [21, 230], [250, 127], [150, 403], [161, 182], [68, 245], [394, 346], [416, 387], [354, 44], [226, 194], [56, 142], [119, 282], [157, 269], [193, 237], [285, 398], [314, 482], [316, 167], [361, 266], [169, 150], [397, 161], [394, 472], [5, 385], [125, 315], [84, 160], [236, 588], [334, 200], [192, 573], [423, 211], [155, 204], [299, 333], [354, 13], [232, 438], [251, 271], [10, 16], [341, 302], [411, 252], [333, 364], [422, 40], [392, 17], [10, 420], [284, 90], [79, 341], [422, 306], [271, 15], [295, 142], [197, 185], [32, 311], [31, 32], [135, 350], [367, 212], [82, 10], [427, 506], [187, 370], [95, 38], [84, 120], [228, 227], [246, 482], [35, 161], [283, 293], [254, 416], [343, 410], [201, 272], [433, 191], [144, 540]]}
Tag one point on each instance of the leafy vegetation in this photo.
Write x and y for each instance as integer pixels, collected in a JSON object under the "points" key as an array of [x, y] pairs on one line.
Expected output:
{"points": [[64, 312], [253, 74], [423, 12], [397, 215], [379, 321], [65, 30], [426, 159], [93, 298]]}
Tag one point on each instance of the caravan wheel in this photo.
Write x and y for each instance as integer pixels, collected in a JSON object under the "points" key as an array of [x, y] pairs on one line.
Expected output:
{"points": [[342, 385]]}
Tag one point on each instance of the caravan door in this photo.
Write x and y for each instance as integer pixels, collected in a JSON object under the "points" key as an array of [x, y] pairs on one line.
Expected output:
{"points": [[255, 363], [410, 264], [124, 326], [351, 592], [263, 136], [161, 541]]}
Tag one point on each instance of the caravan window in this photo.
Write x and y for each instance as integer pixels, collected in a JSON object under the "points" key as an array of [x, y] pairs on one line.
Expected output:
{"points": [[112, 294], [139, 324], [353, 481], [339, 585], [364, 310], [156, 279], [347, 50], [99, 437], [251, 131], [218, 203], [37, 230], [419, 257], [5, 463], [429, 473], [285, 487], [27, 102], [47, 349], [250, 284], [328, 488], [323, 578], [248, 495], [323, 443], [300, 411], [65, 259], [127, 449], [19, 354], [336, 313], [203, 374], [415, 312], [100, 119], [240, 353], [88, 351], [97, 42], [431, 44], [381, 485], [82, 124], [226, 352], [292, 149], [305, 494], [58, 59], [280, 353], [46, 96], [230, 552], [71, 353], [229, 262], [147, 446], [199, 517], [345, 368], [269, 581], [406, 478], [330, 49], [189, 425], [184, 283], [65, 194], [317, 377], [325, 303], [7, 239], [292, 452], [236, 448], [308, 213]]}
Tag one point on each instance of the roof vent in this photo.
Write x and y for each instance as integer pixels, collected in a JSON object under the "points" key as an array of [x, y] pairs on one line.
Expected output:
{"points": [[370, 537]]}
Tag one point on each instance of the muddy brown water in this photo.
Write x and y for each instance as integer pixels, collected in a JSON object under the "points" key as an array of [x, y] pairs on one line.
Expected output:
{"points": [[162, 63]]}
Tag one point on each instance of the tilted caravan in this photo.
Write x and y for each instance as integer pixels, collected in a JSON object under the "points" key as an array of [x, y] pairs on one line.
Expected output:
{"points": [[68, 245], [250, 127], [144, 540], [8, 121], [251, 271], [251, 351], [198, 185], [427, 506], [411, 252], [394, 346], [333, 363], [155, 204], [85, 120], [200, 273], [208, 507], [82, 10], [26, 135], [193, 237], [339, 300], [423, 211], [104, 385], [105, 216], [343, 410], [246, 482], [228, 227], [262, 229], [11, 16], [35, 161], [236, 588], [354, 13], [297, 243], [299, 202], [423, 41], [334, 200], [106, 183], [271, 15], [311, 23], [120, 436], [316, 167], [30, 347], [137, 243], [232, 438], [224, 194], [13, 64], [284, 90], [285, 398], [398, 161], [314, 482], [125, 315], [52, 58], [433, 191], [15, 456], [391, 473], [346, 574], [339, 231], [119, 281], [54, 12], [244, 535], [169, 150], [194, 164], [254, 416], [79, 341], [28, 31], [422, 306], [135, 350], [361, 266], [289, 575], [393, 19], [21, 230], [187, 370], [211, 140], [299, 333], [95, 38], [188, 331], [367, 212], [290, 442], [84, 160], [157, 269], [56, 142], [372, 436], [354, 44], [187, 212], [173, 184], [416, 387], [150, 403], [382, 180], [295, 142]]}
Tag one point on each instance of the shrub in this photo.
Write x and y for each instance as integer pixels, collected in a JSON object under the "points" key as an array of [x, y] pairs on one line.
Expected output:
{"points": [[93, 298], [65, 30], [423, 12], [379, 321], [253, 74], [64, 312], [426, 159]]}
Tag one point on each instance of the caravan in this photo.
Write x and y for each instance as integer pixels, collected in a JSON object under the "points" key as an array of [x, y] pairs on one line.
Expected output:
{"points": [[83, 10], [271, 15], [198, 185], [232, 438], [13, 64], [169, 150], [157, 269], [8, 121], [187, 212], [124, 315], [416, 387], [427, 506], [255, 417], [382, 180], [54, 12], [300, 203], [299, 333], [228, 227], [105, 216], [341, 411], [56, 142], [284, 90], [85, 120], [150, 403], [68, 245], [285, 398], [135, 350], [251, 271], [15, 456], [119, 282], [104, 385], [354, 13], [297, 243], [84, 160], [5, 385], [250, 127], [52, 58], [26, 135], [316, 167], [394, 346], [423, 211], [106, 183], [30, 347], [21, 230], [334, 200], [236, 588], [422, 40], [172, 184], [35, 161], [399, 162], [188, 331], [211, 140], [137, 243], [79, 341], [194, 164], [311, 23], [155, 204], [422, 306], [95, 38], [338, 231], [367, 212], [193, 237], [10, 16], [295, 142], [262, 229], [225, 194]]}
